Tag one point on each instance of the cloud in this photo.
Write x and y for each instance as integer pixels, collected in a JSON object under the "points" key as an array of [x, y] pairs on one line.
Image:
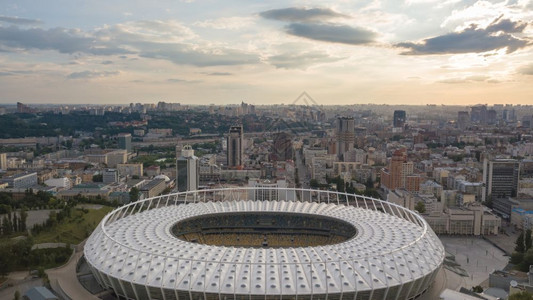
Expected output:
{"points": [[468, 79], [526, 70], [231, 23], [497, 35], [107, 62], [91, 74], [176, 80], [150, 39], [332, 33], [219, 74], [300, 60], [183, 55], [60, 39], [19, 21], [298, 14]]}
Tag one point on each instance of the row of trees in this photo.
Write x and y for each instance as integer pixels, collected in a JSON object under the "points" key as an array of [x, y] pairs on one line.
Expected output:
{"points": [[13, 223], [523, 255]]}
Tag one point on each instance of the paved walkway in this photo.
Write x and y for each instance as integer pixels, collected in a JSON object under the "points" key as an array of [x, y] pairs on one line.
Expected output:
{"points": [[65, 277]]}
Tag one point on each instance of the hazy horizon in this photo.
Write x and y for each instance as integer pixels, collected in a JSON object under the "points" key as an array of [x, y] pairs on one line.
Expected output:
{"points": [[413, 52]]}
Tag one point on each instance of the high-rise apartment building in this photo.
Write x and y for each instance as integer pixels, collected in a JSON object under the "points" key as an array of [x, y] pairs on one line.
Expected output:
{"points": [[500, 177], [400, 173], [124, 141], [187, 170], [463, 120], [345, 135], [399, 118], [235, 146], [282, 147]]}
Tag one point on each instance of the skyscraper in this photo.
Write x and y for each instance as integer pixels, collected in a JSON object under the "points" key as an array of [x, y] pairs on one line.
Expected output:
{"points": [[345, 135], [235, 146], [187, 170], [124, 141], [399, 118], [282, 148], [500, 177], [463, 120]]}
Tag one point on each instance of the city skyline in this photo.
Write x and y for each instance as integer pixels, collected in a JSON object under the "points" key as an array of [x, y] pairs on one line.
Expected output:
{"points": [[415, 52]]}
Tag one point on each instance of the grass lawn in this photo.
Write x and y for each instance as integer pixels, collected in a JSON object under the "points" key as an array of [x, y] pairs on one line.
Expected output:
{"points": [[74, 229]]}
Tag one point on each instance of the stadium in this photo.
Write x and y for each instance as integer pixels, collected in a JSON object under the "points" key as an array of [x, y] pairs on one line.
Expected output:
{"points": [[253, 243]]}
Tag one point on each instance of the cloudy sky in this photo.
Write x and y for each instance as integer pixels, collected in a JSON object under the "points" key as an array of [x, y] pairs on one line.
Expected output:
{"points": [[266, 52]]}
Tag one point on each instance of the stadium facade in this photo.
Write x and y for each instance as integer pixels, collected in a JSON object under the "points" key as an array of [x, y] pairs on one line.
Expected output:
{"points": [[219, 244]]}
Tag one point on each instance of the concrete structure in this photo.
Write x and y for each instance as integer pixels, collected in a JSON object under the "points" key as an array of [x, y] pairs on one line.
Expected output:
{"points": [[500, 177], [21, 181], [124, 141], [400, 173], [235, 147], [469, 220], [393, 255], [399, 117], [109, 176], [129, 170], [63, 182], [39, 293], [187, 170], [269, 190], [282, 147], [153, 188], [345, 135], [3, 161]]}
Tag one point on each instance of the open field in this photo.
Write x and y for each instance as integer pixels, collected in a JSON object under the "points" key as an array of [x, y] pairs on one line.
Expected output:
{"points": [[74, 229]]}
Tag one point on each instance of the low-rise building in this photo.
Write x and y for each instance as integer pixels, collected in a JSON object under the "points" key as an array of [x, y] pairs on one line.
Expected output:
{"points": [[152, 188]]}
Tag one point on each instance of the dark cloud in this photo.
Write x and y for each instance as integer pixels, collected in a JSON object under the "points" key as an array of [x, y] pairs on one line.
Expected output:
{"points": [[117, 41], [298, 14], [526, 70], [107, 62], [91, 74], [19, 21], [176, 80], [498, 35], [298, 60], [332, 33], [60, 39]]}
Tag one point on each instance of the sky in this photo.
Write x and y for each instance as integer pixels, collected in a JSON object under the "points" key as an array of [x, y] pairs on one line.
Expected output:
{"points": [[342, 52]]}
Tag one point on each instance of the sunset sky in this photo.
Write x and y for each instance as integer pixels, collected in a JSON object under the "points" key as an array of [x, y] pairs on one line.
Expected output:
{"points": [[266, 52]]}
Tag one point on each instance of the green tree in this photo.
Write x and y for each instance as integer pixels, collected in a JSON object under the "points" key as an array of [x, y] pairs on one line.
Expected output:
{"points": [[516, 258], [520, 246], [314, 183], [477, 289], [420, 207], [527, 239], [23, 218], [98, 178], [523, 295], [134, 194], [17, 295]]}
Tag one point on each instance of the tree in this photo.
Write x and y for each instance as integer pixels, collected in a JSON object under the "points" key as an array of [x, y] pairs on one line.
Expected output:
{"points": [[23, 217], [520, 246], [17, 295], [134, 194], [314, 183], [98, 178], [477, 289], [523, 295], [527, 239], [420, 207]]}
